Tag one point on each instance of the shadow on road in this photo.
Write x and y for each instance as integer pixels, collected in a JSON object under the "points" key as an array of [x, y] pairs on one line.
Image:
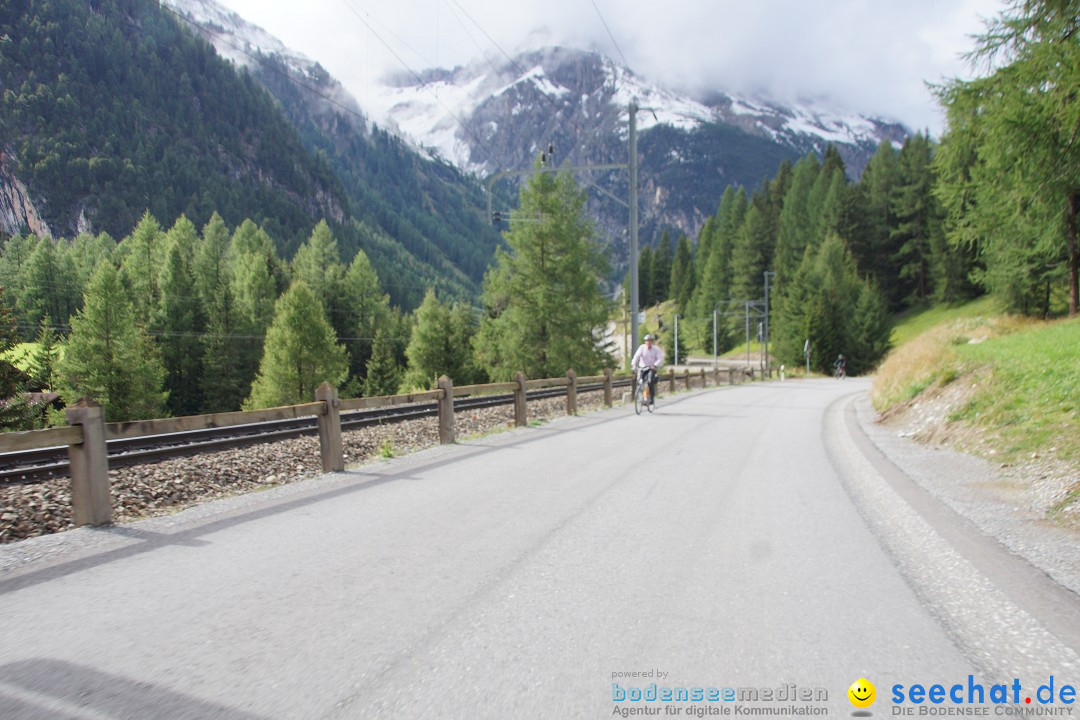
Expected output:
{"points": [[39, 688]]}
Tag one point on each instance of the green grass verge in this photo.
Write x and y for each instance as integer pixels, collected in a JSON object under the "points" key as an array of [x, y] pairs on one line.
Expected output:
{"points": [[1033, 397], [914, 323], [1026, 373]]}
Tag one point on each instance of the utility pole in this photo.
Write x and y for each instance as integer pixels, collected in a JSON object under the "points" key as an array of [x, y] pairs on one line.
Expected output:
{"points": [[714, 336], [633, 228], [676, 338], [747, 316], [633, 166], [768, 371]]}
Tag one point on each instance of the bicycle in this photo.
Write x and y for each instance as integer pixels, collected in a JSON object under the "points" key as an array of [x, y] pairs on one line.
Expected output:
{"points": [[643, 396], [841, 372]]}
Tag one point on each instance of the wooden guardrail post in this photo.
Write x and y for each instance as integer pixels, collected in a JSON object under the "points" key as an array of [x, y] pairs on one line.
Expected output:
{"points": [[607, 387], [90, 500], [686, 374], [333, 457], [731, 376], [672, 379], [704, 382], [446, 410], [520, 415], [571, 392]]}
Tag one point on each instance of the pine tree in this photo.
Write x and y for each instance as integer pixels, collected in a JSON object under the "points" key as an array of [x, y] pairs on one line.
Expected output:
{"points": [[706, 241], [646, 277], [435, 349], [14, 413], [43, 361], [383, 372], [751, 253], [253, 291], [662, 262], [464, 326], [13, 260], [682, 276], [47, 286], [1009, 162], [226, 346], [179, 322], [211, 267], [828, 305], [367, 308], [795, 232], [546, 310], [714, 289], [318, 264], [251, 240], [870, 242], [141, 256], [871, 328], [109, 357], [301, 352], [917, 224]]}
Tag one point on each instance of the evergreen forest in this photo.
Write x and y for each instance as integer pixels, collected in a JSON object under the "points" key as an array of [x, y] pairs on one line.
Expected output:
{"points": [[113, 108], [228, 289]]}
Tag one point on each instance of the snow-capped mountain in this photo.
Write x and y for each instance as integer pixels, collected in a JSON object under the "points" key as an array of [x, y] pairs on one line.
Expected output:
{"points": [[458, 112], [496, 115], [492, 116]]}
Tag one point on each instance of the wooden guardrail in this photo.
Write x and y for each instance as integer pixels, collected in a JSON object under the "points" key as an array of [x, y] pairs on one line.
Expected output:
{"points": [[87, 431]]}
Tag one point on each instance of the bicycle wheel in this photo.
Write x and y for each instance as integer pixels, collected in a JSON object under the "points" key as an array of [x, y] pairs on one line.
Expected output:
{"points": [[638, 399]]}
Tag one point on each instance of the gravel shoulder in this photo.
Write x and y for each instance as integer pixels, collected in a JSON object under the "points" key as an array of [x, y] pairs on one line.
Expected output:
{"points": [[167, 487], [1017, 504]]}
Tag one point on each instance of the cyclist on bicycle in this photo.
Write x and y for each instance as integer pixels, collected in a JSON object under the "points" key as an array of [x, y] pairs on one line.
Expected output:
{"points": [[648, 359], [841, 366]]}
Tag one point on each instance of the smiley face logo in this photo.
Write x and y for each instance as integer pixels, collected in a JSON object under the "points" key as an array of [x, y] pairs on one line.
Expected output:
{"points": [[862, 693]]}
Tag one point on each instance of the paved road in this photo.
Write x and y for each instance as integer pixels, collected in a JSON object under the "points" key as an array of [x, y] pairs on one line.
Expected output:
{"points": [[737, 538]]}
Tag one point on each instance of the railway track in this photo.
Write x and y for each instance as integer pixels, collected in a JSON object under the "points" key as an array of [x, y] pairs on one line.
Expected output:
{"points": [[34, 466]]}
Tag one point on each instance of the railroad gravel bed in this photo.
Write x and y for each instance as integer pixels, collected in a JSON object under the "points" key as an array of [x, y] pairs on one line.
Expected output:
{"points": [[147, 490]]}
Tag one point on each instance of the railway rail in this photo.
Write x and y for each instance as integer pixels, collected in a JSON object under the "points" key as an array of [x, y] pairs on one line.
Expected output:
{"points": [[32, 466]]}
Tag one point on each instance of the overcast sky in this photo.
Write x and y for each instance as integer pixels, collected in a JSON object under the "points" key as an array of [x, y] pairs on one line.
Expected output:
{"points": [[869, 56]]}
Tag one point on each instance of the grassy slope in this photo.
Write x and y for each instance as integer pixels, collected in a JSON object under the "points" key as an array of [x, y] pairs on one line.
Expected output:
{"points": [[1025, 374]]}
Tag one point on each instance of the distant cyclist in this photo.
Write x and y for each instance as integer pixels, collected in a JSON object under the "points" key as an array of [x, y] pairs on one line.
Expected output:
{"points": [[648, 359], [841, 366]]}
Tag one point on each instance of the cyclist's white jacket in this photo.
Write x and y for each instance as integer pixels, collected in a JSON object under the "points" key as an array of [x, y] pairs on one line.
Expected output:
{"points": [[647, 357]]}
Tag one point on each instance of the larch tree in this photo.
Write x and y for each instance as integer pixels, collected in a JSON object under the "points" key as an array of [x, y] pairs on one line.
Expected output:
{"points": [[1009, 162], [300, 353], [179, 322], [109, 357], [441, 344], [546, 309]]}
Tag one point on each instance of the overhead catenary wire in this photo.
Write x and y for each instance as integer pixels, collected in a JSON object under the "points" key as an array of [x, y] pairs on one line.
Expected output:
{"points": [[416, 75], [260, 59], [521, 72], [610, 35]]}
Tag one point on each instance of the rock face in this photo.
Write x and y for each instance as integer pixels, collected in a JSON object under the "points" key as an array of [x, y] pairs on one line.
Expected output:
{"points": [[17, 210]]}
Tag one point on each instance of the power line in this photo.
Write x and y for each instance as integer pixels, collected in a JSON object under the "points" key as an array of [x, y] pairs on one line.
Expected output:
{"points": [[412, 72], [613, 41], [479, 49]]}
